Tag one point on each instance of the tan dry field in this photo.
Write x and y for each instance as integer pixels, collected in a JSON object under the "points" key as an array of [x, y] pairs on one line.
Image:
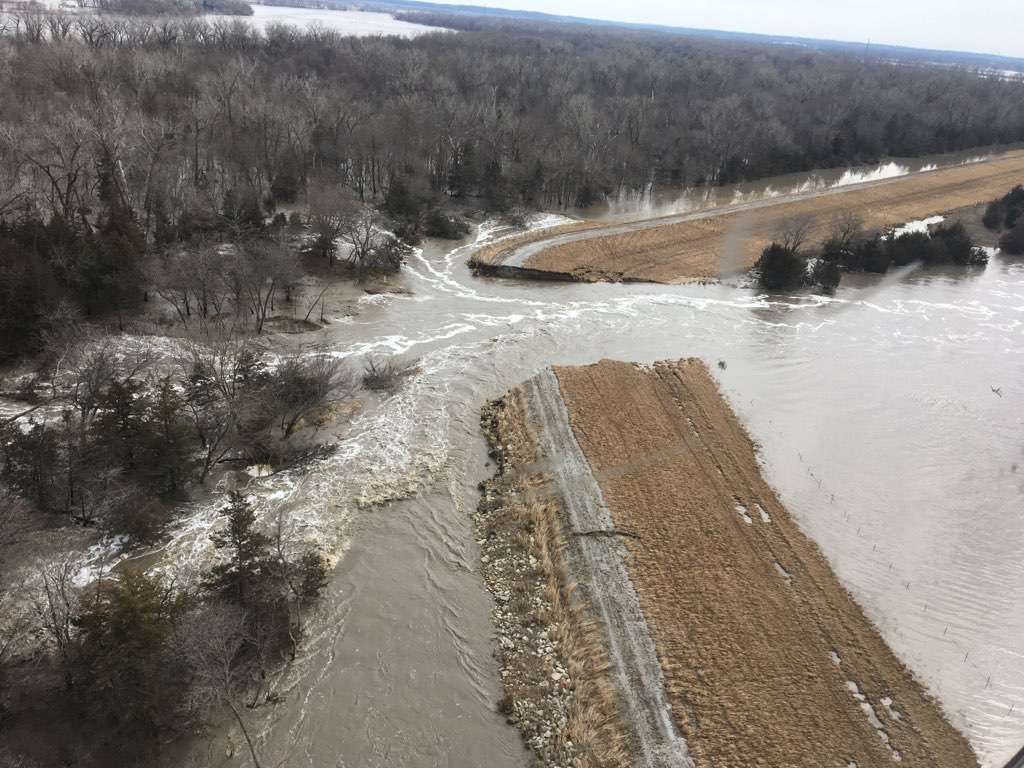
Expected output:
{"points": [[758, 640], [708, 246]]}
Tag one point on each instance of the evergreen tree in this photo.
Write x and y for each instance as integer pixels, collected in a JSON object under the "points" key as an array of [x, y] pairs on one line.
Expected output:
{"points": [[242, 577], [120, 655], [168, 441]]}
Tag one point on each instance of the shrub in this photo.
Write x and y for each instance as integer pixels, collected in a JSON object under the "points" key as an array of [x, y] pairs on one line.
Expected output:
{"points": [[909, 247], [838, 251], [872, 255], [407, 232], [1013, 241], [386, 376], [121, 653], [1015, 197], [994, 216], [441, 225], [952, 244], [826, 273], [781, 267]]}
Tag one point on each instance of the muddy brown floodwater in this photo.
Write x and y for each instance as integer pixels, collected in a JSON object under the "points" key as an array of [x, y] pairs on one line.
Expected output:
{"points": [[878, 427]]}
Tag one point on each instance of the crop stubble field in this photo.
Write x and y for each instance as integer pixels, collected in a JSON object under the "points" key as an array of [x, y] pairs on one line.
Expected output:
{"points": [[759, 643], [708, 245]]}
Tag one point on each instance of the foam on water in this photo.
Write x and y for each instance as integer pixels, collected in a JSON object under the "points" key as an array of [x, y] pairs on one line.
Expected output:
{"points": [[886, 171]]}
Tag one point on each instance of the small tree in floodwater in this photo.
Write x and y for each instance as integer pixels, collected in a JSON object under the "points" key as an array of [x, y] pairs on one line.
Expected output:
{"points": [[783, 264], [1013, 241], [781, 267]]}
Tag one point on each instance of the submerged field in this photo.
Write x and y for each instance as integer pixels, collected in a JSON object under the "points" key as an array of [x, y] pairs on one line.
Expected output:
{"points": [[765, 659], [711, 244]]}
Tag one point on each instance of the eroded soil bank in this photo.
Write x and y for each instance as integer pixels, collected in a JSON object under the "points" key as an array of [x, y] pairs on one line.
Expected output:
{"points": [[766, 659], [710, 244]]}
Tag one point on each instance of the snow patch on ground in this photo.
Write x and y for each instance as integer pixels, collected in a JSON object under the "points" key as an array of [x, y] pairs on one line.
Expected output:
{"points": [[872, 716], [918, 226], [893, 712], [783, 572], [742, 512]]}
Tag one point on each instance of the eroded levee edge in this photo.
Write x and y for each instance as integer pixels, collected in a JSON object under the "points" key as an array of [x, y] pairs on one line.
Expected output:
{"points": [[581, 673]]}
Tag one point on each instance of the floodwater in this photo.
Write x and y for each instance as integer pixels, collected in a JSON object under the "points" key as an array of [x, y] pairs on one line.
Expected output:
{"points": [[889, 418], [630, 204], [358, 23]]}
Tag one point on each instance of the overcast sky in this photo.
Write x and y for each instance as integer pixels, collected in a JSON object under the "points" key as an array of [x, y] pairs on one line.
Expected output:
{"points": [[988, 26]]}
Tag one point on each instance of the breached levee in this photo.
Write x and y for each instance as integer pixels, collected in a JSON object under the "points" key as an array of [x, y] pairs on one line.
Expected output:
{"points": [[709, 244], [656, 604]]}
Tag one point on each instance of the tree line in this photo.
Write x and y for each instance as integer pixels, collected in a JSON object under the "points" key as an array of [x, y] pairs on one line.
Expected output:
{"points": [[173, 7]]}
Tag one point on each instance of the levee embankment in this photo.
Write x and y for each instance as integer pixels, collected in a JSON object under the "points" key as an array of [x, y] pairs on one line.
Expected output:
{"points": [[711, 244], [580, 671], [722, 636]]}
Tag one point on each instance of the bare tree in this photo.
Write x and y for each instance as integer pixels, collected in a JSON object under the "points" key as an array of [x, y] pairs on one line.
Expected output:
{"points": [[34, 25], [371, 247], [846, 228], [302, 384], [60, 25], [191, 280], [794, 233], [262, 270], [57, 605], [212, 642], [215, 377], [59, 152], [332, 209], [15, 617], [92, 369]]}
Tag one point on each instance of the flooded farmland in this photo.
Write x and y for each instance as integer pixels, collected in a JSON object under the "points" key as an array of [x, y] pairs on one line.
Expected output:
{"points": [[889, 423], [358, 23], [888, 418]]}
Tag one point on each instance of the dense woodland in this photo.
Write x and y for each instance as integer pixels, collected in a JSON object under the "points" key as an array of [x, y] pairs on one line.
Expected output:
{"points": [[173, 7]]}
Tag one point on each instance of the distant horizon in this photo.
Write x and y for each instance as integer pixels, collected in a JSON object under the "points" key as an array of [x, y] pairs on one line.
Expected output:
{"points": [[940, 25]]}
